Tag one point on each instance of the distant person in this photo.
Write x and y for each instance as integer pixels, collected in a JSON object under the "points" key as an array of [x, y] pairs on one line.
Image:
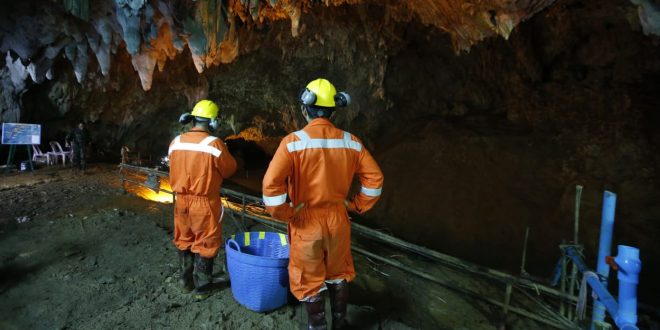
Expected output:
{"points": [[78, 139], [316, 166], [199, 162], [124, 154]]}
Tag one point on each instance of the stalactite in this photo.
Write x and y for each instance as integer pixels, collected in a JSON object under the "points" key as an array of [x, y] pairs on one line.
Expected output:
{"points": [[17, 71], [144, 64], [78, 8], [128, 17], [153, 33], [101, 43], [80, 62], [649, 16]]}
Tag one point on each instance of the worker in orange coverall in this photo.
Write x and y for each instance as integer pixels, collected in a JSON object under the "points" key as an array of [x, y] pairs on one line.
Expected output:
{"points": [[315, 167], [198, 164]]}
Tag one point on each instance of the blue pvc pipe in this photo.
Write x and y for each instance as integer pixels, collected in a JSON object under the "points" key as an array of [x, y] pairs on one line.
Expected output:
{"points": [[629, 265], [604, 297], [604, 250]]}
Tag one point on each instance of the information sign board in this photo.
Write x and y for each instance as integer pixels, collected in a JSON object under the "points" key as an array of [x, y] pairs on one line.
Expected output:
{"points": [[13, 133]]}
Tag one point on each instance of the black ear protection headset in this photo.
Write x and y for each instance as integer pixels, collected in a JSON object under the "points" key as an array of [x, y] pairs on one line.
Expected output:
{"points": [[308, 97], [187, 117]]}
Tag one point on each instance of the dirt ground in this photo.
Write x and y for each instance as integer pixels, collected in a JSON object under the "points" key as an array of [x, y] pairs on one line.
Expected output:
{"points": [[78, 253]]}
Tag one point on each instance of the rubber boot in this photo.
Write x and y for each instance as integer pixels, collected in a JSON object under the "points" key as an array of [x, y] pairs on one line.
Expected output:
{"points": [[222, 277], [338, 302], [186, 260], [315, 306], [203, 277]]}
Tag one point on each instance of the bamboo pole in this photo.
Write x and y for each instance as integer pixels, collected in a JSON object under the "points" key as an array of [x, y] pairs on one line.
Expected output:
{"points": [[562, 303], [548, 309], [426, 276], [576, 226], [457, 263], [523, 272], [448, 285], [447, 260], [434, 255], [507, 302], [505, 306]]}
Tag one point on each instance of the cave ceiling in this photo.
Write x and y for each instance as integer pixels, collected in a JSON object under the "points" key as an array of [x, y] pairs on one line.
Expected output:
{"points": [[34, 33]]}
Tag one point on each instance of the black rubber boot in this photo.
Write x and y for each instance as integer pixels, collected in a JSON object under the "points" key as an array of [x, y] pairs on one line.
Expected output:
{"points": [[221, 277], [186, 260], [338, 302], [316, 313], [203, 277]]}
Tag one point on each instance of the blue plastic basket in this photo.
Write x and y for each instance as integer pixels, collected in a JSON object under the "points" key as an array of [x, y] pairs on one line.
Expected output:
{"points": [[257, 264]]}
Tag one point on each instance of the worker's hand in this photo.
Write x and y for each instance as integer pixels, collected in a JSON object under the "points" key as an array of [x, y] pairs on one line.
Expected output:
{"points": [[298, 208]]}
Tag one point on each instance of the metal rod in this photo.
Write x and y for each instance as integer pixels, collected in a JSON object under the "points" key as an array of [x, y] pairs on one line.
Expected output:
{"points": [[144, 170], [143, 185]]}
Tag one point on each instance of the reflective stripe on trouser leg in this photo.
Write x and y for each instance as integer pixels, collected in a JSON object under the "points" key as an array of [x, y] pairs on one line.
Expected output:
{"points": [[196, 225], [320, 251]]}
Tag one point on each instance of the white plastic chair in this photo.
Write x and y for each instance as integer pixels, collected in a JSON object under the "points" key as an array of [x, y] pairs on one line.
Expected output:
{"points": [[59, 152], [38, 156]]}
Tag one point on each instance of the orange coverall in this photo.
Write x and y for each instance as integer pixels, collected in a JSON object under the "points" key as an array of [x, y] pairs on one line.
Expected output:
{"points": [[316, 166], [198, 164]]}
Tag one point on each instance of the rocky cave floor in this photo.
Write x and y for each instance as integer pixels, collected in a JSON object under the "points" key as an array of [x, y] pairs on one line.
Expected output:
{"points": [[76, 252]]}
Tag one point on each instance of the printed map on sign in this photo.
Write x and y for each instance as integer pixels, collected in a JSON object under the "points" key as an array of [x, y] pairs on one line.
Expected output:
{"points": [[21, 133]]}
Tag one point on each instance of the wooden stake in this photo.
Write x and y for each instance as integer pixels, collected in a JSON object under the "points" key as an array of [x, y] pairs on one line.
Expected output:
{"points": [[576, 226], [523, 272]]}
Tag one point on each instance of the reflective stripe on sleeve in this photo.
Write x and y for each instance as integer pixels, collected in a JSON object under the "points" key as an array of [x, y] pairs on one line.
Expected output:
{"points": [[274, 200], [372, 192]]}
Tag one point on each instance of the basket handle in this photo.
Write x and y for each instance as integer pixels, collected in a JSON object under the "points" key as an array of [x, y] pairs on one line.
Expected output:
{"points": [[236, 246]]}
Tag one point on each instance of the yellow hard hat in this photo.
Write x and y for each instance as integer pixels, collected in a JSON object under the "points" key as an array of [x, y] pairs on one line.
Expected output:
{"points": [[322, 93], [205, 109]]}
